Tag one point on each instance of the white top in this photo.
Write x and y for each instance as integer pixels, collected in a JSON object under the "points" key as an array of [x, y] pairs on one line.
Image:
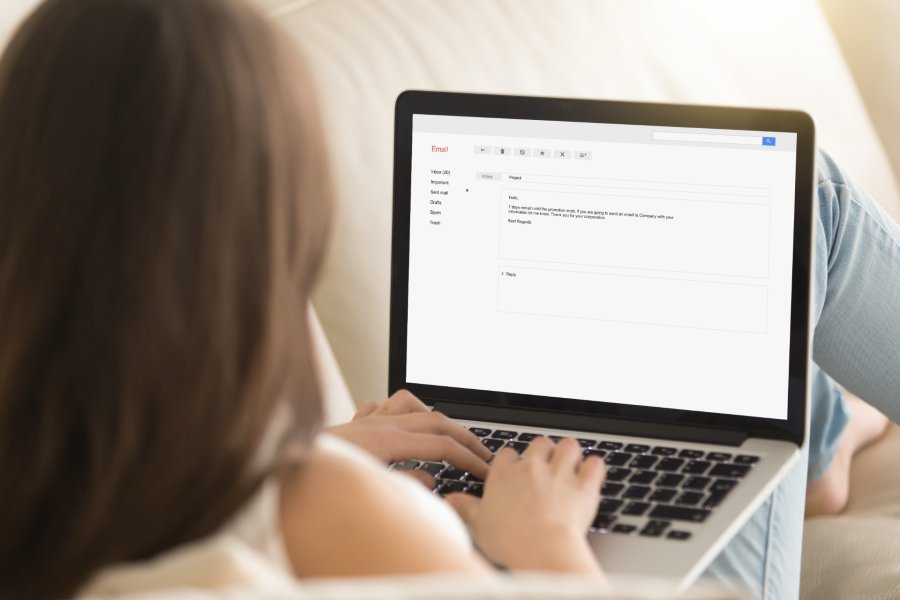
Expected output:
{"points": [[250, 550], [258, 525]]}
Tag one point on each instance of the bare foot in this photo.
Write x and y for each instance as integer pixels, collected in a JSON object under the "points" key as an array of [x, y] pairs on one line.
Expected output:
{"points": [[829, 495]]}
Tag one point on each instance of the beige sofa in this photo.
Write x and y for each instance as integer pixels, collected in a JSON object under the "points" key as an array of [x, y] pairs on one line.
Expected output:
{"points": [[751, 52], [748, 52]]}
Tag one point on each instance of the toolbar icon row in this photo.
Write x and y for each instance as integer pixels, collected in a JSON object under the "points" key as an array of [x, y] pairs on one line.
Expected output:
{"points": [[533, 152]]}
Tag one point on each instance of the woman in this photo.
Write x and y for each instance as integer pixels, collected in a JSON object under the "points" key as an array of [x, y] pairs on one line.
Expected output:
{"points": [[164, 207], [163, 211]]}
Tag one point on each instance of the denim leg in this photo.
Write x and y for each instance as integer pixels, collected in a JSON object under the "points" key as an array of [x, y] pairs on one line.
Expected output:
{"points": [[828, 415], [857, 341], [857, 309], [763, 559]]}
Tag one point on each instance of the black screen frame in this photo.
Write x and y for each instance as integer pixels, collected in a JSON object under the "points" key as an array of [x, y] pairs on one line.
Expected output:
{"points": [[572, 413]]}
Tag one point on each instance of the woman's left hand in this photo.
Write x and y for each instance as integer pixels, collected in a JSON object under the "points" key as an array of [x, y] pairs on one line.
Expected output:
{"points": [[403, 428]]}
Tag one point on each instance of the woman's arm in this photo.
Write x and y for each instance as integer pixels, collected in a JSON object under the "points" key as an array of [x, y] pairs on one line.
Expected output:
{"points": [[343, 518], [402, 427]]}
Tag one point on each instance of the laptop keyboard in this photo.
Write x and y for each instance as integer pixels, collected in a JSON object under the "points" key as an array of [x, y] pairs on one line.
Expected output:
{"points": [[649, 490]]}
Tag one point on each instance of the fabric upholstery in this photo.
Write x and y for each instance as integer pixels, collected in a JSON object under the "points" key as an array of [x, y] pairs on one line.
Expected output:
{"points": [[867, 33], [365, 52], [857, 555]]}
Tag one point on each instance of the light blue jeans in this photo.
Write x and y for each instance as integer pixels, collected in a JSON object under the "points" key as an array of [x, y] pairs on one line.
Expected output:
{"points": [[857, 342]]}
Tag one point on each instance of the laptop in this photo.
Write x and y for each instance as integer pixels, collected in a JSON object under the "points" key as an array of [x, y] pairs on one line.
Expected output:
{"points": [[635, 276]]}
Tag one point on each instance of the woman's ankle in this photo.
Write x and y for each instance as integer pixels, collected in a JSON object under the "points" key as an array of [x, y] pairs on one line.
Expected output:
{"points": [[829, 494]]}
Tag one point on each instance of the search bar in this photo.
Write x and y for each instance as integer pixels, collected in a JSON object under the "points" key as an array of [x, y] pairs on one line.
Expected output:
{"points": [[713, 138]]}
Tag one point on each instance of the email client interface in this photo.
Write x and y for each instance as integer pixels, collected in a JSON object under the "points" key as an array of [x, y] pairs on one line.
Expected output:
{"points": [[627, 264]]}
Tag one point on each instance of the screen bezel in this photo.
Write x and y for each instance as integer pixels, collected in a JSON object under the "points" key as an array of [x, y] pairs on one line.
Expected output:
{"points": [[571, 410]]}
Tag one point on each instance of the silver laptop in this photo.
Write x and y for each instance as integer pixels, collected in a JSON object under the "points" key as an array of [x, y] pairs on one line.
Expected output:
{"points": [[634, 276]]}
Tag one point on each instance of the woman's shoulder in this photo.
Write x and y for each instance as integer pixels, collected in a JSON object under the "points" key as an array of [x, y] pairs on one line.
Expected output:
{"points": [[342, 503], [342, 481], [332, 469]]}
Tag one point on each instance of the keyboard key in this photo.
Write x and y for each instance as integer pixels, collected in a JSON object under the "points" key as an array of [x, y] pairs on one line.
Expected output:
{"points": [[594, 452], [637, 448], [644, 461], [678, 535], [519, 447], [450, 487], [690, 454], [643, 477], [405, 465], [723, 485], [729, 470], [602, 522], [617, 459], [670, 464], [715, 499], [654, 528], [453, 473], [718, 456], [527, 437], [679, 513], [492, 444], [689, 498], [476, 489], [502, 434], [609, 505], [473, 479], [609, 445], [636, 492], [696, 483], [664, 451], [479, 431], [669, 480], [635, 509], [432, 468], [745, 459], [662, 495], [585, 443], [611, 489], [556, 438], [624, 528], [697, 467], [617, 474]]}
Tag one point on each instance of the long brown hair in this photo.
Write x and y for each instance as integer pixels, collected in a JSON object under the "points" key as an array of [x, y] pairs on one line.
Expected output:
{"points": [[163, 208]]}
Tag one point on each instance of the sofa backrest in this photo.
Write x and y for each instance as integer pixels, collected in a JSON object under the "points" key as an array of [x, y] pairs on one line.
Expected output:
{"points": [[365, 52]]}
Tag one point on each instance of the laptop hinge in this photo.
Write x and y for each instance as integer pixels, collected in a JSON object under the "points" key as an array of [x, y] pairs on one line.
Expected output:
{"points": [[667, 431]]}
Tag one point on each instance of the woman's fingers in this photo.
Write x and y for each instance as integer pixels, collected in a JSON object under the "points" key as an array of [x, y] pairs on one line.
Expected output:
{"points": [[504, 456], [592, 472], [437, 423], [465, 505], [427, 446], [566, 455], [540, 448]]}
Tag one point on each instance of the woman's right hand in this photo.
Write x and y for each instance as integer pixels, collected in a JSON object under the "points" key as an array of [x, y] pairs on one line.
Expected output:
{"points": [[537, 508]]}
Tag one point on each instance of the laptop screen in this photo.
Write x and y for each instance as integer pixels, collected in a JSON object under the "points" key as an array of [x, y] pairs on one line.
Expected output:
{"points": [[631, 264]]}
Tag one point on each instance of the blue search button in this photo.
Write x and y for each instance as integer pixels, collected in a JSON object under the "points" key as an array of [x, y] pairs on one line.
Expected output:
{"points": [[768, 141]]}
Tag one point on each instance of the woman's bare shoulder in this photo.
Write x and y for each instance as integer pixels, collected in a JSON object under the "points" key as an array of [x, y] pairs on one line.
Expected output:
{"points": [[341, 515]]}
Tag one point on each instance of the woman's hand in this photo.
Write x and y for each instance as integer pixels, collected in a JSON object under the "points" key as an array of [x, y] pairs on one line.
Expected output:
{"points": [[537, 509], [403, 428]]}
